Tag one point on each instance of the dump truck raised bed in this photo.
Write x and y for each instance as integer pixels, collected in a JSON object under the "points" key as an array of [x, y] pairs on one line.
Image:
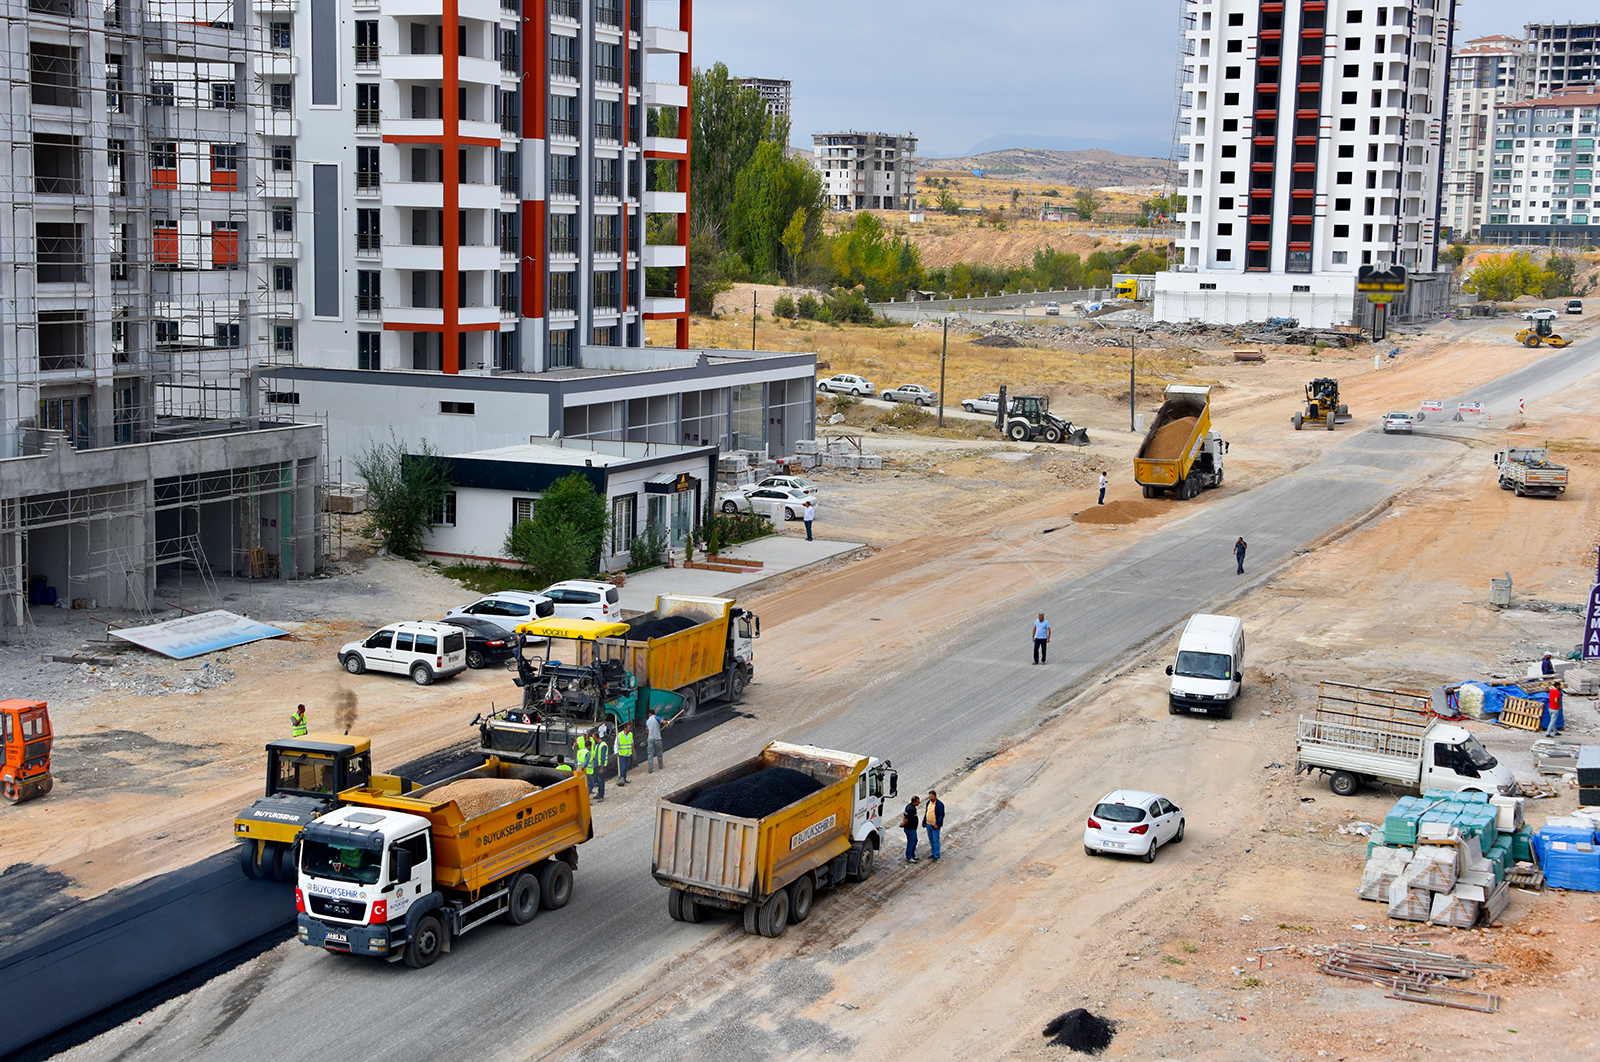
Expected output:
{"points": [[1180, 454], [1398, 747], [769, 866], [1528, 470], [403, 876]]}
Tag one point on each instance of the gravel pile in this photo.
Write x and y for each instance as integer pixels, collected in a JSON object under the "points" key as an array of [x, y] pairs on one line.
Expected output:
{"points": [[477, 795], [757, 795]]}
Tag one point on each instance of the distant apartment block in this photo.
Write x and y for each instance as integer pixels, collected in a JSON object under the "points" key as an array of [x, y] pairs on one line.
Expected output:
{"points": [[1542, 171], [1562, 56], [775, 91], [867, 171], [1309, 146], [1484, 73]]}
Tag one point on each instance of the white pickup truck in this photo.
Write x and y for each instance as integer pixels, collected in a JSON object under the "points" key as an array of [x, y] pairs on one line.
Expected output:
{"points": [[1358, 750]]}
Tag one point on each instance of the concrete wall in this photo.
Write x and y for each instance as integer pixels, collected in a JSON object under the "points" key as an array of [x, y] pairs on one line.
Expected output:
{"points": [[1011, 301], [1234, 298]]}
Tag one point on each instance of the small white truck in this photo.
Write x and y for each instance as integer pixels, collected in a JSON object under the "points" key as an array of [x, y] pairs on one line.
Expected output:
{"points": [[1528, 470], [1359, 750]]}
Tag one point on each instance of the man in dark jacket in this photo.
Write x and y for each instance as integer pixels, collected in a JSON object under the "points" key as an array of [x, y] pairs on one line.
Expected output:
{"points": [[933, 819], [908, 823]]}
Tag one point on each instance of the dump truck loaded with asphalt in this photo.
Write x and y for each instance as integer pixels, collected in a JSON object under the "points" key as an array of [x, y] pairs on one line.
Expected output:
{"points": [[402, 876], [763, 836]]}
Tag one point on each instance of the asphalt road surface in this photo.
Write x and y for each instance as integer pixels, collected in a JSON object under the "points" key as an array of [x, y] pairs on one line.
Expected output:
{"points": [[503, 989]]}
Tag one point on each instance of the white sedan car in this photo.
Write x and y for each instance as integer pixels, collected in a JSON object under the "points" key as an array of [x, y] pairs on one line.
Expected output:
{"points": [[792, 500], [846, 383], [804, 486], [1129, 822], [1538, 313], [1397, 422]]}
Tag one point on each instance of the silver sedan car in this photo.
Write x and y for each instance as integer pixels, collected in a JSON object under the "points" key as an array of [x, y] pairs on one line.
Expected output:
{"points": [[913, 393], [1397, 422]]}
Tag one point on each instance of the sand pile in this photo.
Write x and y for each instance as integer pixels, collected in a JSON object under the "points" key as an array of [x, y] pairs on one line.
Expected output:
{"points": [[757, 795], [1169, 439], [477, 795], [1121, 512]]}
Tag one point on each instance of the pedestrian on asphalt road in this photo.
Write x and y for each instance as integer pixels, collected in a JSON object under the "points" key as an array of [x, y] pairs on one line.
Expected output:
{"points": [[1103, 482], [297, 720], [624, 752], [652, 744], [908, 823], [1558, 718], [1041, 639], [1238, 551], [933, 819], [599, 756], [810, 515]]}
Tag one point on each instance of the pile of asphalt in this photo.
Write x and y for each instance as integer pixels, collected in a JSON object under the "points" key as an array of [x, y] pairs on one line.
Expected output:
{"points": [[1081, 1031], [658, 628], [758, 795]]}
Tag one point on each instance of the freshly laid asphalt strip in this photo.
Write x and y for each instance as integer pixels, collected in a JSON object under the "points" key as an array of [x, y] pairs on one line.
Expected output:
{"points": [[133, 941]]}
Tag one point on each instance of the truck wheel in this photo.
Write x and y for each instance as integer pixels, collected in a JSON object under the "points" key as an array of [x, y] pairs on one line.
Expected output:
{"points": [[675, 904], [422, 675], [1343, 783], [773, 917], [522, 903], [691, 702], [1520, 492], [801, 892], [1505, 484], [555, 884], [1018, 432], [1052, 434], [426, 942], [752, 913], [1297, 420], [736, 686], [288, 863], [1151, 492], [354, 664], [866, 862]]}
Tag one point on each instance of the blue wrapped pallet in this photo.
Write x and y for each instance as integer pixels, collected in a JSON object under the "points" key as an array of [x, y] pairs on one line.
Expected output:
{"points": [[1569, 858], [1400, 825]]}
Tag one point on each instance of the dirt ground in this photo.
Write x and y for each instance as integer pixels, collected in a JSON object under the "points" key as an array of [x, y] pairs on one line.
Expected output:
{"points": [[970, 958]]}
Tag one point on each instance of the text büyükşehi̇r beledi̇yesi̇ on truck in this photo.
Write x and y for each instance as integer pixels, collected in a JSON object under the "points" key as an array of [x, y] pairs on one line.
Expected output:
{"points": [[401, 876]]}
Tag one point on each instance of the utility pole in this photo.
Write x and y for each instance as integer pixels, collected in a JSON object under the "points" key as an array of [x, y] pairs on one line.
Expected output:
{"points": [[1133, 354], [752, 318], [942, 352]]}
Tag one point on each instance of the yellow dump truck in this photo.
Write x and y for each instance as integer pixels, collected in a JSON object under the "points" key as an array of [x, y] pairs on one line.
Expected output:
{"points": [[770, 866], [712, 660], [402, 876], [1180, 453]]}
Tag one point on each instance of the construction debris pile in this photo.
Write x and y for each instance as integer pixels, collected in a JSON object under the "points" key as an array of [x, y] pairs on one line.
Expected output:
{"points": [[1446, 856], [1114, 330], [1414, 974]]}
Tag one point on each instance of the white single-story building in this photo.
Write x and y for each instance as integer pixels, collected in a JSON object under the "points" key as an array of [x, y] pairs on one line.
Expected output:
{"points": [[642, 483], [1317, 300]]}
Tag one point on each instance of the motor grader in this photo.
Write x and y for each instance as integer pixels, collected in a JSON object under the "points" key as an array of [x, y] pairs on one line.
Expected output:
{"points": [[1542, 332], [1322, 405]]}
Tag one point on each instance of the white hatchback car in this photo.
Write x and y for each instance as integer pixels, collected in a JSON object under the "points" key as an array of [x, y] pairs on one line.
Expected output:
{"points": [[846, 384], [585, 599], [1129, 822]]}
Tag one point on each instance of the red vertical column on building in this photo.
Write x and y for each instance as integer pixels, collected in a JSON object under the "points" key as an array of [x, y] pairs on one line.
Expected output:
{"points": [[449, 163], [535, 117], [686, 131]]}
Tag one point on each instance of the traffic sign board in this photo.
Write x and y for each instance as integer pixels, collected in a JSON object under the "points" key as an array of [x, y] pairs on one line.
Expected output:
{"points": [[1381, 279]]}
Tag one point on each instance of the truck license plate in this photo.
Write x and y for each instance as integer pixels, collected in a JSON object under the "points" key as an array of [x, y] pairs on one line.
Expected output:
{"points": [[337, 938], [1198, 711]]}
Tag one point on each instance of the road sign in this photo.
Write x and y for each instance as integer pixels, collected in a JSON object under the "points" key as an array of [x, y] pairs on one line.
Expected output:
{"points": [[1432, 406], [1470, 407], [1382, 298], [1591, 625], [1381, 279]]}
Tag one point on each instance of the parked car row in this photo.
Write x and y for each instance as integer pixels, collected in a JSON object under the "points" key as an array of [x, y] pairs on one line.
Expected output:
{"points": [[478, 635]]}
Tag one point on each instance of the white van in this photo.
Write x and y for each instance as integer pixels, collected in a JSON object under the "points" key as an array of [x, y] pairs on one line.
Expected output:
{"points": [[1206, 678], [425, 651]]}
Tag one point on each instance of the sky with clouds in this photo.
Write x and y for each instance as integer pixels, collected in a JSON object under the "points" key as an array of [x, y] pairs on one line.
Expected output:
{"points": [[1061, 73]]}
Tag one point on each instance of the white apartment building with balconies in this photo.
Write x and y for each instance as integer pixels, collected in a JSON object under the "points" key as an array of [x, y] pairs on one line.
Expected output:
{"points": [[1309, 145], [1484, 73], [867, 171], [1541, 186]]}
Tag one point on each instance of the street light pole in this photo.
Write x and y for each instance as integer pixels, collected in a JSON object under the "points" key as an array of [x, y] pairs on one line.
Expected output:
{"points": [[1133, 354], [945, 349]]}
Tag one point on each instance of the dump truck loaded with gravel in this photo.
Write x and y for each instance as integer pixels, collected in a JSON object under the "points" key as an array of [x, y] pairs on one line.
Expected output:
{"points": [[1180, 454], [763, 836]]}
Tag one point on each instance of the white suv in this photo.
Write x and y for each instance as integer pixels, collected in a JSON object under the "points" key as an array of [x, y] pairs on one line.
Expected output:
{"points": [[846, 384], [425, 651], [585, 599], [519, 606]]}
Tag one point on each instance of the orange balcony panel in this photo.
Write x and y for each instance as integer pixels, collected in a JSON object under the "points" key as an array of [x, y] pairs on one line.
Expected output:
{"points": [[1300, 246], [1262, 245]]}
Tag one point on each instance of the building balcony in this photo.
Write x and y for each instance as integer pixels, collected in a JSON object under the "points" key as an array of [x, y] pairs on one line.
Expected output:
{"points": [[666, 145], [654, 307], [278, 65], [267, 7], [277, 245], [278, 305], [423, 130], [475, 71], [665, 255], [423, 316], [406, 67], [665, 202], [659, 40], [659, 94], [478, 257]]}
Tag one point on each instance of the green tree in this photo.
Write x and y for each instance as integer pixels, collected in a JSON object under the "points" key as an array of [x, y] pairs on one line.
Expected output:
{"points": [[565, 536], [885, 264], [1455, 254], [1085, 202], [948, 203], [773, 194], [1559, 274], [728, 122], [706, 279], [1498, 277], [404, 492]]}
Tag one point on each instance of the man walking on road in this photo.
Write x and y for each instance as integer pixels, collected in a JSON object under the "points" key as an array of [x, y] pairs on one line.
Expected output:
{"points": [[652, 744], [933, 819], [810, 515], [908, 823], [1103, 482], [1238, 551], [1041, 639]]}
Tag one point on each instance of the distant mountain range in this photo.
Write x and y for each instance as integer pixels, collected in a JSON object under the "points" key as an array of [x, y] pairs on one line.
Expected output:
{"points": [[1094, 168], [1140, 146]]}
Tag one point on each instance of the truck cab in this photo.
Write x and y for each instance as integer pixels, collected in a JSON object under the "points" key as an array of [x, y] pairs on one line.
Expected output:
{"points": [[1453, 759], [879, 782], [361, 872]]}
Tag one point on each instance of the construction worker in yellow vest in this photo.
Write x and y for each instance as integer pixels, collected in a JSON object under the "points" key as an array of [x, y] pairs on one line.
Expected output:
{"points": [[563, 765], [580, 755], [624, 752], [599, 757], [297, 719]]}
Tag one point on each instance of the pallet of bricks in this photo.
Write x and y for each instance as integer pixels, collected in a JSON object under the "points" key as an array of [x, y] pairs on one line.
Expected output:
{"points": [[1448, 858]]}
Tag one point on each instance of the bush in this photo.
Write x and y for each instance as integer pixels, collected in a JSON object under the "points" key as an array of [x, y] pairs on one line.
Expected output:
{"points": [[844, 403], [904, 415], [849, 306], [404, 491], [564, 538], [783, 306], [648, 549], [808, 307]]}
